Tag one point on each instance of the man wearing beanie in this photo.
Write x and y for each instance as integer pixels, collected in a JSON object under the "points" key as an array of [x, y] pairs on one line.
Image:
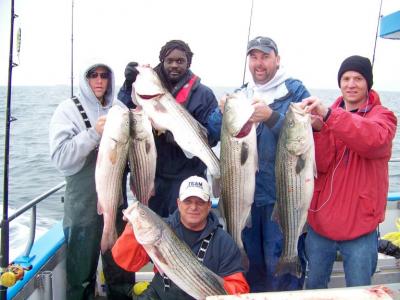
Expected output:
{"points": [[353, 144]]}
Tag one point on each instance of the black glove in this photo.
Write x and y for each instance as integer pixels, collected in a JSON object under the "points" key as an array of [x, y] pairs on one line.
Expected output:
{"points": [[388, 248], [131, 73]]}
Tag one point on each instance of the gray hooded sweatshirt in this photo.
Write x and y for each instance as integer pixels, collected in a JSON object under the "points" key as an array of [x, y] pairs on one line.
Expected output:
{"points": [[70, 140]]}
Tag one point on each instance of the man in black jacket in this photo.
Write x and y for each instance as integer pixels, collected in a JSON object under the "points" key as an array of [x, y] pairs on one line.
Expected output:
{"points": [[172, 164]]}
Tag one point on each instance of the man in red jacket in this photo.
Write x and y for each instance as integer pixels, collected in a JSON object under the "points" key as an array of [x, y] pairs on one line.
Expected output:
{"points": [[353, 144], [195, 224]]}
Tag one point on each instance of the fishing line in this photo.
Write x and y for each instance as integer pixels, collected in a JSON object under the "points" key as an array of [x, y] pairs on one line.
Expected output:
{"points": [[334, 170], [376, 35], [248, 39]]}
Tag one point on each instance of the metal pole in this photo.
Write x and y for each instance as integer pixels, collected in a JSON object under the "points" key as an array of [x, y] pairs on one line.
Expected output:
{"points": [[4, 254], [45, 285], [72, 49]]}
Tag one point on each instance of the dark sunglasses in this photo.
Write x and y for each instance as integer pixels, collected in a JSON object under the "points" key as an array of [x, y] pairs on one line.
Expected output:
{"points": [[94, 75]]}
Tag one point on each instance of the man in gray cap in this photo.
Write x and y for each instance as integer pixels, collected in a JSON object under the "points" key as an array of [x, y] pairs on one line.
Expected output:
{"points": [[271, 90]]}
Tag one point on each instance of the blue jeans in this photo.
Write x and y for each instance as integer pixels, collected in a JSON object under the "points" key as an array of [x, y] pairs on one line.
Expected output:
{"points": [[263, 242], [360, 257]]}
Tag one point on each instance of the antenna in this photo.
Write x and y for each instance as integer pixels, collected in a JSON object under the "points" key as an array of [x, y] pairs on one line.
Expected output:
{"points": [[248, 39], [376, 35]]}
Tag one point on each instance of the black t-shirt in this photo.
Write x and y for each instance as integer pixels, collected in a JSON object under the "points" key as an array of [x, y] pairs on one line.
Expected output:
{"points": [[190, 236]]}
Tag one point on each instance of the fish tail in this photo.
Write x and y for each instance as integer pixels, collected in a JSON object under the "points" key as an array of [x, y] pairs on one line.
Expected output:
{"points": [[289, 265], [108, 239], [245, 259]]}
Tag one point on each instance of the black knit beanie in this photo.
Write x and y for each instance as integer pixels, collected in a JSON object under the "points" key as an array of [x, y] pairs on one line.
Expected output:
{"points": [[359, 64]]}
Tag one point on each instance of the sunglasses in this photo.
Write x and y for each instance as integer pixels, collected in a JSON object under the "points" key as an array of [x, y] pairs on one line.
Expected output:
{"points": [[94, 75]]}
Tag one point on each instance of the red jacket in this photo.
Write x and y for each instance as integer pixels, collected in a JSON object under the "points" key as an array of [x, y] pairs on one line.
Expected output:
{"points": [[131, 256], [352, 153]]}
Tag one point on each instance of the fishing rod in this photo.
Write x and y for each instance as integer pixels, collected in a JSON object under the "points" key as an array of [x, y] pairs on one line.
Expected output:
{"points": [[72, 49], [248, 39], [376, 35], [4, 248]]}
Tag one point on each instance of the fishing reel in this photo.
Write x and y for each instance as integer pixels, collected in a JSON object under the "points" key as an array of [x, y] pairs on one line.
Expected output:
{"points": [[10, 275]]}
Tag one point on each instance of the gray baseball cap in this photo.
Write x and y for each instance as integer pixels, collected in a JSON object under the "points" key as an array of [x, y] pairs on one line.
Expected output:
{"points": [[264, 44]]}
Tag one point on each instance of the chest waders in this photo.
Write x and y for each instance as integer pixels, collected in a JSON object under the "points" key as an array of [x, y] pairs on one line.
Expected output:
{"points": [[82, 227], [163, 288]]}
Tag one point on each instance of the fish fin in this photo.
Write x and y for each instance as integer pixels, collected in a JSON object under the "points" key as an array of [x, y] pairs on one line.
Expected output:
{"points": [[245, 260], [221, 209], [159, 257], [300, 164], [201, 129], [99, 208], [289, 265], [275, 215], [188, 154], [315, 169], [148, 147], [113, 154], [248, 223], [216, 186], [244, 153], [108, 241], [159, 107]]}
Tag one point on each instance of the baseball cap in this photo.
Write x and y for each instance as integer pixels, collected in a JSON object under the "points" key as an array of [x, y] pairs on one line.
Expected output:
{"points": [[264, 44], [194, 186]]}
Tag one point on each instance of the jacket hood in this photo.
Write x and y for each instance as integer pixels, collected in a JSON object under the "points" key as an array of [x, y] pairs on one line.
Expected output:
{"points": [[86, 92], [280, 77], [373, 99]]}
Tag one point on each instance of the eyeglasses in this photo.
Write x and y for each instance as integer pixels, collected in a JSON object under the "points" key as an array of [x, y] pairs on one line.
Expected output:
{"points": [[94, 75]]}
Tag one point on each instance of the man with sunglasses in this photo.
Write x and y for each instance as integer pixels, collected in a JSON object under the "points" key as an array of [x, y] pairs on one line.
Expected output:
{"points": [[75, 131], [270, 90], [172, 164]]}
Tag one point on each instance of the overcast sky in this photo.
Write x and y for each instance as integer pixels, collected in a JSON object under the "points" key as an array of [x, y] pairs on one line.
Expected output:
{"points": [[313, 37]]}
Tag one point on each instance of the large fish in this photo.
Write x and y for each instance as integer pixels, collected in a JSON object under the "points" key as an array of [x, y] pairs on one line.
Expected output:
{"points": [[142, 156], [239, 163], [167, 114], [294, 172], [110, 165], [170, 255]]}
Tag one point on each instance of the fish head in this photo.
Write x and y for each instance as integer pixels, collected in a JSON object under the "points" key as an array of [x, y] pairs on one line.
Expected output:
{"points": [[298, 130], [146, 225], [147, 85], [237, 112], [117, 124]]}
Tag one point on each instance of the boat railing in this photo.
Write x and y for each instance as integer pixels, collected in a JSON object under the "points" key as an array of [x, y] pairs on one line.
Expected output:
{"points": [[32, 205]]}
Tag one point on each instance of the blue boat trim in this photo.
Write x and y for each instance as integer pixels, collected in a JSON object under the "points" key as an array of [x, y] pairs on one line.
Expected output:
{"points": [[394, 196], [43, 249], [390, 26]]}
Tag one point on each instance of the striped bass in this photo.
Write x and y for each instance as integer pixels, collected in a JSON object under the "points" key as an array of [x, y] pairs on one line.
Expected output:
{"points": [[110, 165], [142, 156], [239, 163], [294, 170], [170, 255], [166, 114]]}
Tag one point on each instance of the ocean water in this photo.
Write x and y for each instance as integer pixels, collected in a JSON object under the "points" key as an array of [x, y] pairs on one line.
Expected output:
{"points": [[31, 172]]}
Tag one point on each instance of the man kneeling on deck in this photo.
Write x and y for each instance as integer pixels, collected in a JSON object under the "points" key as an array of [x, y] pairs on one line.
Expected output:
{"points": [[195, 224]]}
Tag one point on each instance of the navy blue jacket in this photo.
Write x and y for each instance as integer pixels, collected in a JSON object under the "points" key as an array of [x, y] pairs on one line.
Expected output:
{"points": [[267, 139], [223, 255], [171, 161]]}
